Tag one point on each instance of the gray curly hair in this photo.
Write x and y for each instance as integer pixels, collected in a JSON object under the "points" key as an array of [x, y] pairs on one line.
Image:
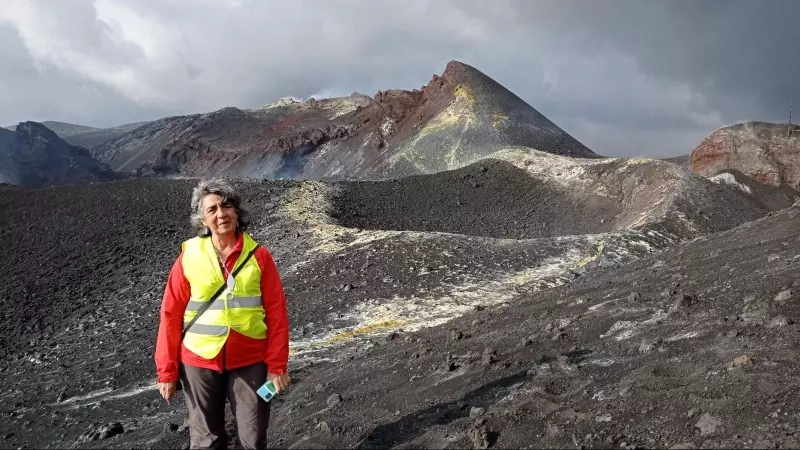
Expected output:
{"points": [[228, 194]]}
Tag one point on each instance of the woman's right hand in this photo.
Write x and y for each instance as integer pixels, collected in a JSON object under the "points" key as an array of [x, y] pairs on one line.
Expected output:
{"points": [[168, 390]]}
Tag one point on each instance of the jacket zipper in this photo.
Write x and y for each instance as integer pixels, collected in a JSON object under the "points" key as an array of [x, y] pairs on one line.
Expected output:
{"points": [[225, 345], [223, 269]]}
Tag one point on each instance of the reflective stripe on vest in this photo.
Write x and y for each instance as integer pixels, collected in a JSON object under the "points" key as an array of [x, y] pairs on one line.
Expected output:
{"points": [[236, 302], [241, 310]]}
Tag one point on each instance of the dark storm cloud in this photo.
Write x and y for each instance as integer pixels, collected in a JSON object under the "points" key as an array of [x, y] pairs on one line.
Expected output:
{"points": [[624, 77], [739, 54]]}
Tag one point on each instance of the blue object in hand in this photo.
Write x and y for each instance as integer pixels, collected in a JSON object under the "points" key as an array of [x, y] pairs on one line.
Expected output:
{"points": [[267, 391]]}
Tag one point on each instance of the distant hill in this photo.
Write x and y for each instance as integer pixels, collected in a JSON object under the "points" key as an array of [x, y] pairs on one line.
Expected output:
{"points": [[34, 155], [62, 128], [94, 137], [86, 136], [456, 119]]}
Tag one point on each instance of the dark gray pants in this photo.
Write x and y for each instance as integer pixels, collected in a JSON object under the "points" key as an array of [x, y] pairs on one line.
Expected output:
{"points": [[206, 390]]}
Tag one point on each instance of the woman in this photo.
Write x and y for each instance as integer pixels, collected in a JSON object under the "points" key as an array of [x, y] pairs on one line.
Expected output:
{"points": [[240, 341]]}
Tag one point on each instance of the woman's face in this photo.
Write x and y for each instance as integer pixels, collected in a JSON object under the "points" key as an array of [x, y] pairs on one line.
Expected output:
{"points": [[219, 217]]}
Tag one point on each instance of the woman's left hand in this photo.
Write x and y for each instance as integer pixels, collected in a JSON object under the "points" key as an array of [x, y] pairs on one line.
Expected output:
{"points": [[281, 380], [167, 390]]}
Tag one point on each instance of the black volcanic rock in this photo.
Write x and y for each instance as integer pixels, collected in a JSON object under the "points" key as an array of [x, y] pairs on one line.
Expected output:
{"points": [[533, 195], [490, 198], [33, 155]]}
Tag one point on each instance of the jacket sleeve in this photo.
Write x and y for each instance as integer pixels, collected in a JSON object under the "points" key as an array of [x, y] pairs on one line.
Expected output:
{"points": [[173, 305], [277, 317]]}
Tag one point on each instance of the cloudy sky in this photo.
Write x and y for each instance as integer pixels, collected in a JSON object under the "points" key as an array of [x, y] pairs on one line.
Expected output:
{"points": [[624, 77]]}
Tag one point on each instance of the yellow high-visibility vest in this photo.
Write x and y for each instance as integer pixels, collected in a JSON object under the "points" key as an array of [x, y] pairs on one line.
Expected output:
{"points": [[243, 312]]}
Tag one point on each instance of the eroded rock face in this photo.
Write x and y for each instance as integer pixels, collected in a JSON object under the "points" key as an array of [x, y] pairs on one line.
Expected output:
{"points": [[454, 120], [767, 152]]}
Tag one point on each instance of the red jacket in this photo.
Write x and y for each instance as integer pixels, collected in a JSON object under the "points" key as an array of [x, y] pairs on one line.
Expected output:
{"points": [[239, 350]]}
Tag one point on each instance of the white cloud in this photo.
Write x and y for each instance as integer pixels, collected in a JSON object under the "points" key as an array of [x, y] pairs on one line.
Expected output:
{"points": [[50, 41], [223, 50]]}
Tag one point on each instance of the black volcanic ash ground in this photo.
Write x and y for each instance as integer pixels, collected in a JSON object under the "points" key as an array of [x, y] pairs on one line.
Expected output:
{"points": [[84, 281], [711, 362], [90, 262], [492, 198]]}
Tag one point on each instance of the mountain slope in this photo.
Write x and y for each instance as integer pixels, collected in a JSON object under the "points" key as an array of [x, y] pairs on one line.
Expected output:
{"points": [[230, 141], [94, 137], [454, 120], [520, 193], [694, 347], [33, 155]]}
